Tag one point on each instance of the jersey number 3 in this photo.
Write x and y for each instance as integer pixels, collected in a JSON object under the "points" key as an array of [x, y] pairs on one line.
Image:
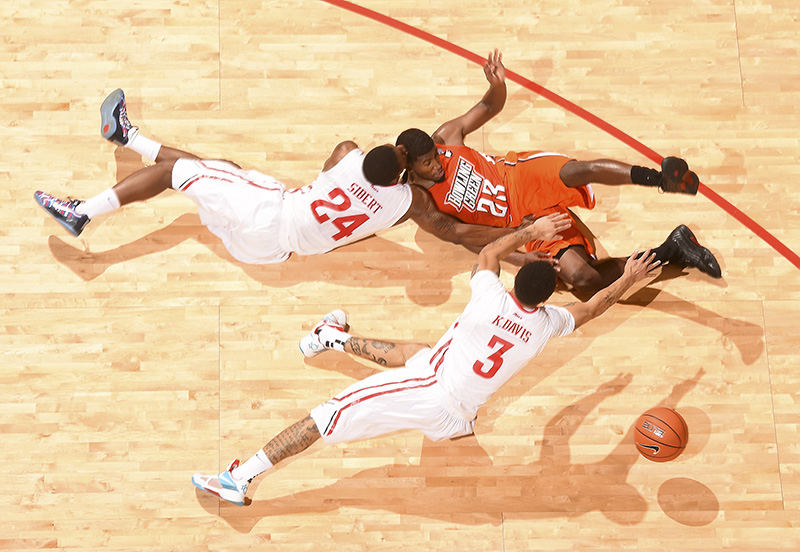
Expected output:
{"points": [[346, 224], [496, 357]]}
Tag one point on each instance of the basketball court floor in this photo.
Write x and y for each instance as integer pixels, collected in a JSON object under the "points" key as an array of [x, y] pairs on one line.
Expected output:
{"points": [[141, 352]]}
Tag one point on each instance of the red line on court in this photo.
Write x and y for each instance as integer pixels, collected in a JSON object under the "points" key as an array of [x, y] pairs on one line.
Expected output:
{"points": [[721, 202]]}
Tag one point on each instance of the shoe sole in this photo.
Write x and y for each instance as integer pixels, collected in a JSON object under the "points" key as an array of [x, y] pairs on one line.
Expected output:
{"points": [[308, 352], [108, 124], [340, 317], [679, 177], [214, 493]]}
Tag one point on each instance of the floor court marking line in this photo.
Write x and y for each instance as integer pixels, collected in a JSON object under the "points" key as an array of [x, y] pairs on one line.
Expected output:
{"points": [[721, 202]]}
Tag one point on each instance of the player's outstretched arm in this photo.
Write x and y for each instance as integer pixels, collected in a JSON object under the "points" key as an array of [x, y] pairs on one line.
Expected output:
{"points": [[454, 131], [544, 228], [638, 267], [424, 212]]}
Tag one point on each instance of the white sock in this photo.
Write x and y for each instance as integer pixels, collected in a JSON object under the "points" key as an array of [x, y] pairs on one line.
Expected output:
{"points": [[142, 145], [102, 203], [333, 338], [257, 464]]}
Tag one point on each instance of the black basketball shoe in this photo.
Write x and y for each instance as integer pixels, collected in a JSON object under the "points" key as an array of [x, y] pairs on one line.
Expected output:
{"points": [[63, 210], [677, 178], [114, 124], [689, 252]]}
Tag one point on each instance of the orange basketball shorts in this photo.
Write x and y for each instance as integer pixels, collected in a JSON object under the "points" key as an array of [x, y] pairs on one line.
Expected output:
{"points": [[534, 185]]}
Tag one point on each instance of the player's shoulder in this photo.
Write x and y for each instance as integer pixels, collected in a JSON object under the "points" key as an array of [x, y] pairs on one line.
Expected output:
{"points": [[485, 280], [340, 152], [560, 317], [346, 147]]}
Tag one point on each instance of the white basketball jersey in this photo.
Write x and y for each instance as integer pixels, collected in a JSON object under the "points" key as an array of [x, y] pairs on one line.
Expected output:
{"points": [[339, 207], [492, 340]]}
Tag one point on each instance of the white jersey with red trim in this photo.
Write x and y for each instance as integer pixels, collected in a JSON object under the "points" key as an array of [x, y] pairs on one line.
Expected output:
{"points": [[492, 340], [339, 207]]}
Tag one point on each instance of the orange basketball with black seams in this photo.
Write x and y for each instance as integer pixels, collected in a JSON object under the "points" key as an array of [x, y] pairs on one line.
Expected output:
{"points": [[660, 434]]}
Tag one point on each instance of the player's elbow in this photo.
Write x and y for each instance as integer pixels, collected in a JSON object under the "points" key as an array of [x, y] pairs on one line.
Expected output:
{"points": [[582, 313]]}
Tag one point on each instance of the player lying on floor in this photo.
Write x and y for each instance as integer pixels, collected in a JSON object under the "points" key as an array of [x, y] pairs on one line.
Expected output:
{"points": [[437, 390], [499, 191], [255, 216]]}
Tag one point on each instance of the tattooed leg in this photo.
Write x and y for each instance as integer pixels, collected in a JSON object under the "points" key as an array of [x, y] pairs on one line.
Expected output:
{"points": [[292, 440], [380, 352], [385, 353]]}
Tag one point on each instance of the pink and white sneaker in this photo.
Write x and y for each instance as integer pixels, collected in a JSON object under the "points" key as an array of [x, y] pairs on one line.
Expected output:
{"points": [[223, 485], [329, 333]]}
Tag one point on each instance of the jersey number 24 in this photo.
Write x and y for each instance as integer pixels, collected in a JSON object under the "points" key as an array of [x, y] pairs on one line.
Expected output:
{"points": [[346, 224]]}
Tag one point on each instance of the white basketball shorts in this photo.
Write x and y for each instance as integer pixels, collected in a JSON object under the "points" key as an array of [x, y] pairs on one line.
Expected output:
{"points": [[397, 399], [240, 207]]}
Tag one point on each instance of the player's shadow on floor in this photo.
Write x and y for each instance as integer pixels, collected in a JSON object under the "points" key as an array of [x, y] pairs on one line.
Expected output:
{"points": [[372, 262], [748, 338], [457, 482]]}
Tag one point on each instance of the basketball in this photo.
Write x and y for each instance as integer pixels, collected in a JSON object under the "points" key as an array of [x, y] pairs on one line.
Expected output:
{"points": [[660, 434]]}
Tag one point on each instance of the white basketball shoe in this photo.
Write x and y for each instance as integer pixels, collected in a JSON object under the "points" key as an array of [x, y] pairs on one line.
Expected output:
{"points": [[330, 333], [223, 485]]}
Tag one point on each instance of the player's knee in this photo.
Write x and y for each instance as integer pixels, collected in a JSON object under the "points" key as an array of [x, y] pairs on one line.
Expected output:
{"points": [[584, 280], [576, 173], [165, 172]]}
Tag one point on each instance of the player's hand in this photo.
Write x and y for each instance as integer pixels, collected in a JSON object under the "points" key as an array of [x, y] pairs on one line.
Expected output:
{"points": [[639, 266], [493, 68], [547, 228]]}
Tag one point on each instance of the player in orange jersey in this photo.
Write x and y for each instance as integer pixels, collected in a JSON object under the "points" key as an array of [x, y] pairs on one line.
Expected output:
{"points": [[500, 190]]}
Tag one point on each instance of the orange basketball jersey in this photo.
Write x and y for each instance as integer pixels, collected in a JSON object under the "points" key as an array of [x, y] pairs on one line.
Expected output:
{"points": [[500, 191], [473, 190]]}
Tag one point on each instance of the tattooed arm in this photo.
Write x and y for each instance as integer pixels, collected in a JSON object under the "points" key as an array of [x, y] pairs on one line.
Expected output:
{"points": [[385, 353], [636, 268]]}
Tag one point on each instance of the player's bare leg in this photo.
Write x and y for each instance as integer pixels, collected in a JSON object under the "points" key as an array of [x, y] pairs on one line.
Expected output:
{"points": [[585, 275], [75, 214], [674, 175], [292, 440], [166, 153], [575, 174], [145, 183], [385, 353], [231, 484], [332, 333]]}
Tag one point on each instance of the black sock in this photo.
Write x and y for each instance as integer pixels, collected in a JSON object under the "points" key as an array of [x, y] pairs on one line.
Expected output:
{"points": [[664, 252], [644, 176]]}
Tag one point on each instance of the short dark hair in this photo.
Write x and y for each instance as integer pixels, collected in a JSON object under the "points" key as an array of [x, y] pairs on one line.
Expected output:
{"points": [[535, 283], [416, 142], [381, 166]]}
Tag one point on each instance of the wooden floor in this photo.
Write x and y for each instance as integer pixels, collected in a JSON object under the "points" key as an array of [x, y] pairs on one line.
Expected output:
{"points": [[142, 352]]}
